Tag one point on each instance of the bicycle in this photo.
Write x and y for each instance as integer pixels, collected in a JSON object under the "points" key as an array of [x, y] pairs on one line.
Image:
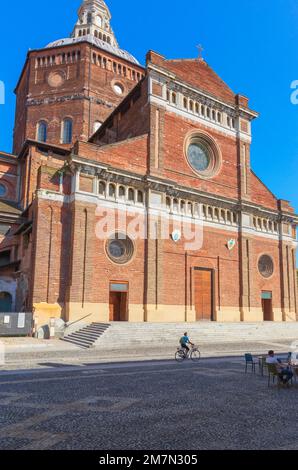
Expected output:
{"points": [[182, 354]]}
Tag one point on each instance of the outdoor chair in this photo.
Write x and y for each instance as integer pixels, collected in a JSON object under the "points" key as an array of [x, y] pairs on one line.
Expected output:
{"points": [[250, 362], [273, 372]]}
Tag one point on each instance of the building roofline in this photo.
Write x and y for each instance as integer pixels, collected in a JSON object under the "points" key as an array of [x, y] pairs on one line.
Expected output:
{"points": [[116, 110], [30, 142]]}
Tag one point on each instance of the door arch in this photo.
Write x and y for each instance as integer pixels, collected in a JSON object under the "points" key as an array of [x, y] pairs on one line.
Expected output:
{"points": [[5, 302]]}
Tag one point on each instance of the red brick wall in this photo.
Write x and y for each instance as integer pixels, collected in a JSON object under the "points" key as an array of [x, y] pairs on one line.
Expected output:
{"points": [[85, 94], [9, 179], [130, 155], [177, 168]]}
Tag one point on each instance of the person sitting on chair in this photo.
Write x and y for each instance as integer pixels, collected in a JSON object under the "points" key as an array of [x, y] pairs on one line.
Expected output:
{"points": [[284, 372], [184, 341]]}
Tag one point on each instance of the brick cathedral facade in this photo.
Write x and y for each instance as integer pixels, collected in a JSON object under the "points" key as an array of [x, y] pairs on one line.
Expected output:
{"points": [[130, 196]]}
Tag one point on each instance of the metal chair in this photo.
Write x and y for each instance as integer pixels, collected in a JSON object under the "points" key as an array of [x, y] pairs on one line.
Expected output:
{"points": [[249, 361], [272, 373]]}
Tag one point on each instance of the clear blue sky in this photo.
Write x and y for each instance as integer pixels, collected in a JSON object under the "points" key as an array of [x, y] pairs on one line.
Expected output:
{"points": [[252, 45]]}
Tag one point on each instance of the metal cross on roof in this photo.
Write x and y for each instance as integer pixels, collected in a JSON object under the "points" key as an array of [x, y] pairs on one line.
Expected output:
{"points": [[200, 49]]}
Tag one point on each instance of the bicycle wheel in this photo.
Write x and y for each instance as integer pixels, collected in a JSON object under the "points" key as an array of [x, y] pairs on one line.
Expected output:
{"points": [[195, 355], [179, 356]]}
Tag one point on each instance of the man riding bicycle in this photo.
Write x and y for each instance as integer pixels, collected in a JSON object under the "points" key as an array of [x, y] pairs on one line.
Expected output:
{"points": [[184, 341]]}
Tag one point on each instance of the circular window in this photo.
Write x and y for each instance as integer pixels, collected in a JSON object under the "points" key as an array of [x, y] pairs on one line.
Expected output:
{"points": [[56, 79], [266, 266], [118, 88], [2, 190], [120, 248], [202, 155], [198, 156]]}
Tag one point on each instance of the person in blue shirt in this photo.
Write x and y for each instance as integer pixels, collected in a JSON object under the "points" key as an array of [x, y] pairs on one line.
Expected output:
{"points": [[185, 341]]}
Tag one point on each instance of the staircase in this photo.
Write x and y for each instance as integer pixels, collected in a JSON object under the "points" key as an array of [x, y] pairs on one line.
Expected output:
{"points": [[87, 336], [135, 336]]}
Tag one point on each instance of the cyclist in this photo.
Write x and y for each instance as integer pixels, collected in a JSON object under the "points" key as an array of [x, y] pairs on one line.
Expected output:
{"points": [[184, 341]]}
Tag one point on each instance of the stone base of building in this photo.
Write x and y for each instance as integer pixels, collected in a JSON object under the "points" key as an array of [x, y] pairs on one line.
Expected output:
{"points": [[100, 313]]}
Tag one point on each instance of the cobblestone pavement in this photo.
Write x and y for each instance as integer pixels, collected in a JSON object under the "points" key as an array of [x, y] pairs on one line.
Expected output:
{"points": [[160, 405], [54, 353]]}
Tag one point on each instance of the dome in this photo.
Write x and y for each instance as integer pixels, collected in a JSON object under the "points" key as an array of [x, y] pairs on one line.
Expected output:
{"points": [[95, 42]]}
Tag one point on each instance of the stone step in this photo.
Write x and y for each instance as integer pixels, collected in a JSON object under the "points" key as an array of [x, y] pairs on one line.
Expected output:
{"points": [[88, 332], [89, 339], [87, 335], [81, 344], [154, 334]]}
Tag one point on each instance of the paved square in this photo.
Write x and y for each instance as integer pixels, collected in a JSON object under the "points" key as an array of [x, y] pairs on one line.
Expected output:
{"points": [[153, 405]]}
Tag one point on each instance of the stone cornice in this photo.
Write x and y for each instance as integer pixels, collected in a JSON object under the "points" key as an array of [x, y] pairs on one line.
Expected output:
{"points": [[177, 85], [171, 189], [63, 99]]}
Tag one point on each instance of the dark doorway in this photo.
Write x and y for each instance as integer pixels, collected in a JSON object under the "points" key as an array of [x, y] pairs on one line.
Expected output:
{"points": [[5, 302], [267, 306], [118, 303], [204, 293]]}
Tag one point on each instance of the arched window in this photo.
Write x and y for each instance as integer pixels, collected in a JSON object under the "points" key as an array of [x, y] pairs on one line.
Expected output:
{"points": [[89, 18], [102, 188], [5, 302], [112, 190], [175, 205], [96, 34], [121, 192], [140, 197], [98, 21], [131, 195], [3, 190], [185, 103], [67, 131], [174, 98], [42, 131], [168, 203]]}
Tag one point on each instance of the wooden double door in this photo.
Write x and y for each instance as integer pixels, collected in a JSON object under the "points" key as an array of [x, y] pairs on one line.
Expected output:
{"points": [[204, 294]]}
